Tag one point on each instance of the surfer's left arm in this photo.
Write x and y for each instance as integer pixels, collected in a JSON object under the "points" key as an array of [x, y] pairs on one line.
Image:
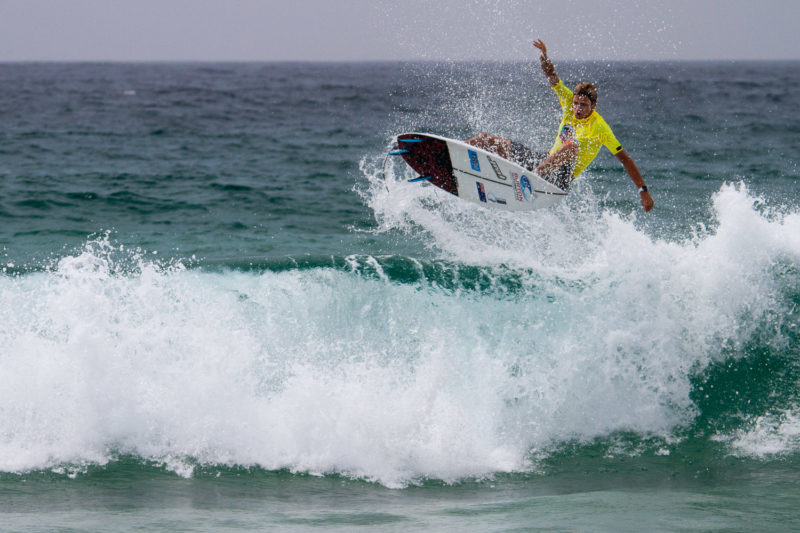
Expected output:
{"points": [[636, 177]]}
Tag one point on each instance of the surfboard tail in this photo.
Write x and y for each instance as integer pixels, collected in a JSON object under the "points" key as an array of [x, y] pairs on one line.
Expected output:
{"points": [[428, 156]]}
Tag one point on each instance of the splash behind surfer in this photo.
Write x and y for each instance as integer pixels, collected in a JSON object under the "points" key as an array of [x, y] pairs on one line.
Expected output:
{"points": [[581, 135]]}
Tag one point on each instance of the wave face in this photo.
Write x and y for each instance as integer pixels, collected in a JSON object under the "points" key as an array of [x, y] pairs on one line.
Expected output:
{"points": [[507, 345]]}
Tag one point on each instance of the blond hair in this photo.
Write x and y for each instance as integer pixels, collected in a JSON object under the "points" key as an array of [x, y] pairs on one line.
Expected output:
{"points": [[588, 90]]}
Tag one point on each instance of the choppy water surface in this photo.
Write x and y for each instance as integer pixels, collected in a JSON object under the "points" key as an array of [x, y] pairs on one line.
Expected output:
{"points": [[221, 308]]}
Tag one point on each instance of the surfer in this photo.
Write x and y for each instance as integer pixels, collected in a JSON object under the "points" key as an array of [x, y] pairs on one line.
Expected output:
{"points": [[581, 134]]}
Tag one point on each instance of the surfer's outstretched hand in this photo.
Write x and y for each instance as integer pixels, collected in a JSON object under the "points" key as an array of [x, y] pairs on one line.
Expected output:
{"points": [[547, 65], [538, 43]]}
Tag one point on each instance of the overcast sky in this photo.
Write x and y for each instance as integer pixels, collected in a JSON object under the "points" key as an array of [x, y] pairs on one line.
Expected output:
{"points": [[345, 30]]}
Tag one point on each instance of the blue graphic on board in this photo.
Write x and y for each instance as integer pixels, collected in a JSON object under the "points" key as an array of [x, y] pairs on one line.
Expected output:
{"points": [[473, 160], [527, 190]]}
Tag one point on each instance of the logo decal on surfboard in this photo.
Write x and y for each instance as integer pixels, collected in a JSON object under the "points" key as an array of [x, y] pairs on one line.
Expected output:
{"points": [[481, 191], [496, 169], [527, 190], [517, 189], [473, 160], [522, 188]]}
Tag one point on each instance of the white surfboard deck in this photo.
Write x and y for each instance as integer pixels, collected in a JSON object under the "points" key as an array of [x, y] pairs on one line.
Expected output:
{"points": [[476, 175]]}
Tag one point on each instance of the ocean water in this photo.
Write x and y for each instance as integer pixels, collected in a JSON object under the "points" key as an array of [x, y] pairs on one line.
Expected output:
{"points": [[223, 308]]}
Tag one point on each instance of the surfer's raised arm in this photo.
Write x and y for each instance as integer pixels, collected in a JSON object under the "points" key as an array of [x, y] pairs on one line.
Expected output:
{"points": [[547, 65]]}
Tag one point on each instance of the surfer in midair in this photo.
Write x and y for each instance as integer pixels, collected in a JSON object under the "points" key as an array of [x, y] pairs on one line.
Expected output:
{"points": [[581, 134]]}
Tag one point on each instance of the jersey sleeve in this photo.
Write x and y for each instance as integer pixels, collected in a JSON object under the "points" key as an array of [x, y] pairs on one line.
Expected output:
{"points": [[564, 94], [610, 141]]}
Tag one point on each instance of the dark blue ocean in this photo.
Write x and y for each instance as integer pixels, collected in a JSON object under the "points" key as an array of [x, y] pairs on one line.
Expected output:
{"points": [[223, 308]]}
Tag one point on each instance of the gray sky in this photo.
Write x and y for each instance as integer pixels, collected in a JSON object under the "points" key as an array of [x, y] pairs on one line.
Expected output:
{"points": [[343, 30]]}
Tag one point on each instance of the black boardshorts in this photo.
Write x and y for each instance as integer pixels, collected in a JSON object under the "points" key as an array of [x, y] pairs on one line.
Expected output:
{"points": [[525, 157]]}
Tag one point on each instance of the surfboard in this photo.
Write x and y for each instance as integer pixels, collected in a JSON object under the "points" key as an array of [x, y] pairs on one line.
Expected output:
{"points": [[474, 174]]}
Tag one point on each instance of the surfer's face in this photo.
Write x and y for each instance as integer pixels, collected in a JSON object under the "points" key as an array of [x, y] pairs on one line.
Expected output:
{"points": [[582, 107]]}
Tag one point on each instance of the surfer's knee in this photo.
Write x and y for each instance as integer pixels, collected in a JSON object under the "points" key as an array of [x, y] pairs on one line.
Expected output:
{"points": [[570, 147], [567, 152]]}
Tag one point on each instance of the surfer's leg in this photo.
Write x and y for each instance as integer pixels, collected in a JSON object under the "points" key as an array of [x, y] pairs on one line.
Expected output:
{"points": [[566, 154], [492, 143], [524, 156], [560, 176]]}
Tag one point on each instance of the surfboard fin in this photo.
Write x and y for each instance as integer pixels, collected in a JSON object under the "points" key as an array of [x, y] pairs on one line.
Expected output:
{"points": [[420, 178], [398, 152]]}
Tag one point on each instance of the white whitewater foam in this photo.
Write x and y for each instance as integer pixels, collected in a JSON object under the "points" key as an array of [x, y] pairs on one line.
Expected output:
{"points": [[324, 370], [769, 435]]}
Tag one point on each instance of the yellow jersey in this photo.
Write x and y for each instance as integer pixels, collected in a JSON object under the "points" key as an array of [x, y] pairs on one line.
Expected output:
{"points": [[589, 133]]}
